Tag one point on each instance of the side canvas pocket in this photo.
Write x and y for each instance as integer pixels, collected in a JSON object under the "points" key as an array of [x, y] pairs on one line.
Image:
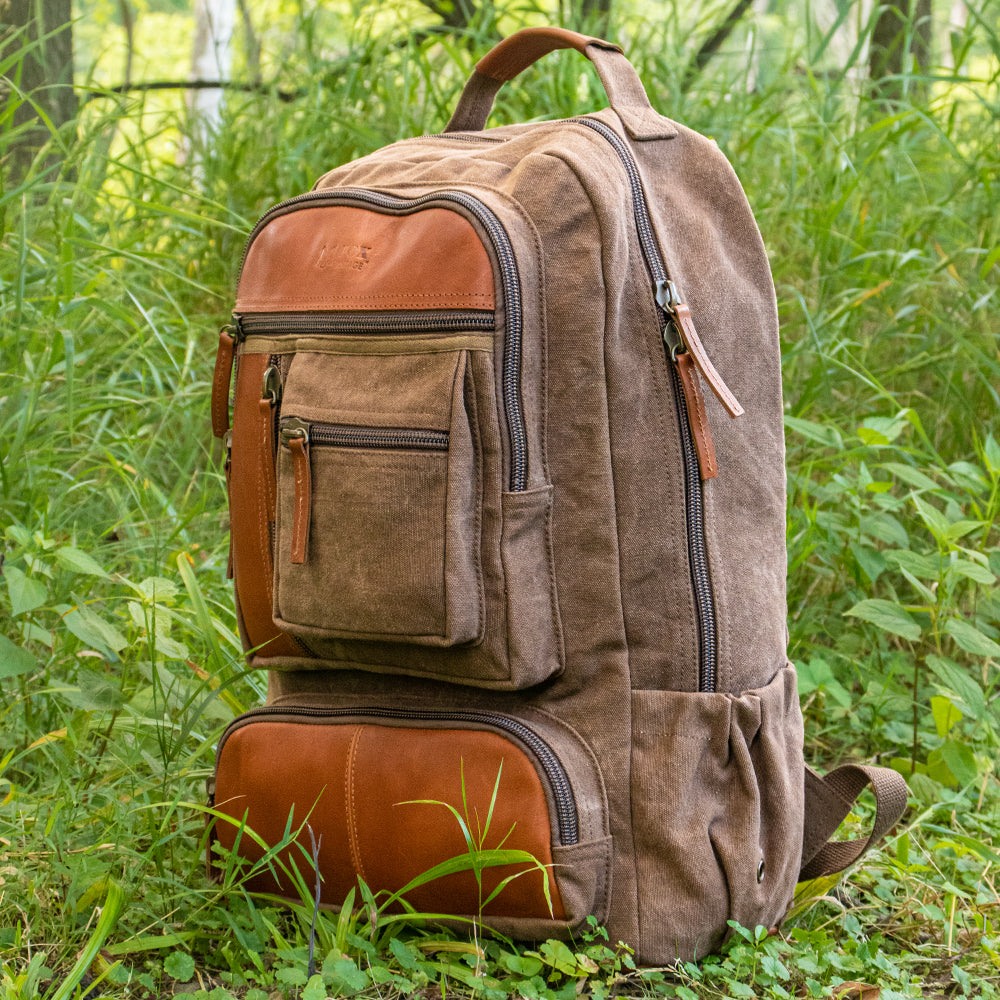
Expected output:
{"points": [[717, 803]]}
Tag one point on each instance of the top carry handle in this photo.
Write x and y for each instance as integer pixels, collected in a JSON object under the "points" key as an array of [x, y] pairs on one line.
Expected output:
{"points": [[625, 91]]}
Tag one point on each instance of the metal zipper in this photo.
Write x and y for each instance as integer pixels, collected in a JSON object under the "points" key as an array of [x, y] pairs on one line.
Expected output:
{"points": [[555, 773], [425, 321], [665, 294], [509, 276], [351, 436]]}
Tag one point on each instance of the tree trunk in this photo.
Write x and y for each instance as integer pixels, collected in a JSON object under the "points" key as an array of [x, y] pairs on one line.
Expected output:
{"points": [[211, 57], [903, 27], [45, 72]]}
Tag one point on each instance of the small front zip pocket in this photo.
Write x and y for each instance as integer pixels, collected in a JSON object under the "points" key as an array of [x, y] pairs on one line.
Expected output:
{"points": [[377, 532], [375, 783]]}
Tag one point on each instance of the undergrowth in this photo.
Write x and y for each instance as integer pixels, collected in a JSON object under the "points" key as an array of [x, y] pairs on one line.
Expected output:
{"points": [[119, 660]]}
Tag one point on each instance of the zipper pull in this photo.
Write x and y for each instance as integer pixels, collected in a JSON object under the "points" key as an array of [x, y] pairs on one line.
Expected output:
{"points": [[222, 379], [680, 335], [228, 467], [295, 434]]}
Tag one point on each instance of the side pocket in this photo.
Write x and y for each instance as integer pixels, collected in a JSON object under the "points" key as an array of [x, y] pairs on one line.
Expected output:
{"points": [[717, 802]]}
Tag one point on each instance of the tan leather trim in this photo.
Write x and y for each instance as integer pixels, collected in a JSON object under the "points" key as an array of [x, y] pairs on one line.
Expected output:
{"points": [[723, 394], [357, 785], [341, 257], [251, 498], [520, 50], [697, 418], [302, 516], [221, 382]]}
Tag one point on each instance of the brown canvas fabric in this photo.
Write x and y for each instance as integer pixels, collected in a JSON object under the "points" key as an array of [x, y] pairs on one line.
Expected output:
{"points": [[549, 508]]}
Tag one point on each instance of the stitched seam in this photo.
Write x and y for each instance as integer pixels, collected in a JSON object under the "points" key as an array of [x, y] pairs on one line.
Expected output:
{"points": [[352, 829], [298, 533], [700, 414]]}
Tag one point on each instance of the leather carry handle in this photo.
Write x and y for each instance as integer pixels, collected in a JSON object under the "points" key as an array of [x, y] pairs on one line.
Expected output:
{"points": [[828, 800], [517, 52]]}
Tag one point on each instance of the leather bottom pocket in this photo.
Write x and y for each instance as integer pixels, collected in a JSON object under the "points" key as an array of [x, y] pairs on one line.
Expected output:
{"points": [[378, 789], [717, 801]]}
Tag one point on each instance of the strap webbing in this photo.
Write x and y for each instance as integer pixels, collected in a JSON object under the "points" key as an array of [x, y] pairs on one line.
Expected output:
{"points": [[828, 800]]}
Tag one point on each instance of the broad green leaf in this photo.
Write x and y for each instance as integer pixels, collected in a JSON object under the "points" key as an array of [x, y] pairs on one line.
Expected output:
{"points": [[157, 588], [887, 616], [970, 477], [932, 517], [14, 659], [821, 433], [910, 476], [870, 560], [557, 955], [927, 567], [314, 989], [970, 638], [26, 593], [991, 449], [525, 965], [959, 682], [959, 529], [93, 630], [885, 528], [179, 965], [79, 561], [973, 571], [946, 715], [960, 760], [407, 958], [344, 975]]}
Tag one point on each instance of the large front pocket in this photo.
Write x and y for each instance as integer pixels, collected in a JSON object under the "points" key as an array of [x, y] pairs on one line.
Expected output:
{"points": [[378, 501], [376, 783]]}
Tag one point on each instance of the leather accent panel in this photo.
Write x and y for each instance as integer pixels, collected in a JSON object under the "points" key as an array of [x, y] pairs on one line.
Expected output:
{"points": [[339, 257], [697, 418], [517, 52], [221, 381], [357, 784], [708, 371], [251, 498]]}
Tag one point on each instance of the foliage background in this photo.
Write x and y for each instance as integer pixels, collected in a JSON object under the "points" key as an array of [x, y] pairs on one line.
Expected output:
{"points": [[118, 659]]}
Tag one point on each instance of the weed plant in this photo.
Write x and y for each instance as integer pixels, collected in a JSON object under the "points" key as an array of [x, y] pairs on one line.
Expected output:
{"points": [[119, 662]]}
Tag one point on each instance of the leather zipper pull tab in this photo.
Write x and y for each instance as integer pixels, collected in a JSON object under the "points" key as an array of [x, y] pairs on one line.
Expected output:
{"points": [[697, 418], [228, 439], [296, 435], [679, 317], [221, 381]]}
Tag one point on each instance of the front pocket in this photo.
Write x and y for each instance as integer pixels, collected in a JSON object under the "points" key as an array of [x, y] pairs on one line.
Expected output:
{"points": [[374, 783], [378, 501]]}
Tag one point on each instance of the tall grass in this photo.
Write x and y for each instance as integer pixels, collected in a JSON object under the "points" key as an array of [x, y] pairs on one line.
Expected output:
{"points": [[120, 662]]}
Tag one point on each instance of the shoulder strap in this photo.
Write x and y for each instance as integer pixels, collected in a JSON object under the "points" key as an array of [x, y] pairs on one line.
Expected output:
{"points": [[828, 800]]}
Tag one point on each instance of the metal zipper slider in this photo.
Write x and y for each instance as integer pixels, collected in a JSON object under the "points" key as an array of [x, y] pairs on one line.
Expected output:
{"points": [[272, 388], [680, 335]]}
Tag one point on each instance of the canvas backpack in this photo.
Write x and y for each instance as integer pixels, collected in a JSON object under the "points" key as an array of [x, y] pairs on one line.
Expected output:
{"points": [[507, 498]]}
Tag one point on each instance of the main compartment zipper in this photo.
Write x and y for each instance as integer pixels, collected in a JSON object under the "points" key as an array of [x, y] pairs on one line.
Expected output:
{"points": [[694, 506], [510, 279], [555, 773]]}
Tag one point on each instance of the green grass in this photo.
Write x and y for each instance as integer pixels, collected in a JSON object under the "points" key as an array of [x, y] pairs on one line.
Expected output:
{"points": [[118, 659]]}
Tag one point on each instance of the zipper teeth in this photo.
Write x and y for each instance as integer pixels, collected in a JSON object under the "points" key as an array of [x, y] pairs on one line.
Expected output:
{"points": [[511, 377], [694, 506], [562, 790], [348, 436], [452, 321], [701, 582]]}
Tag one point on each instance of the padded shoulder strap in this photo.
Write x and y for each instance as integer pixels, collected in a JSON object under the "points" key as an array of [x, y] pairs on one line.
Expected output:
{"points": [[829, 800]]}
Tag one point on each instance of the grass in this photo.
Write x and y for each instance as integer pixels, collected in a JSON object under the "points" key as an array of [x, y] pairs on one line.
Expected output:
{"points": [[118, 659]]}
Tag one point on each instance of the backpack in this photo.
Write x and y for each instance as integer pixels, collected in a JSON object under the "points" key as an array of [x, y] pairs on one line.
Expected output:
{"points": [[507, 498]]}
